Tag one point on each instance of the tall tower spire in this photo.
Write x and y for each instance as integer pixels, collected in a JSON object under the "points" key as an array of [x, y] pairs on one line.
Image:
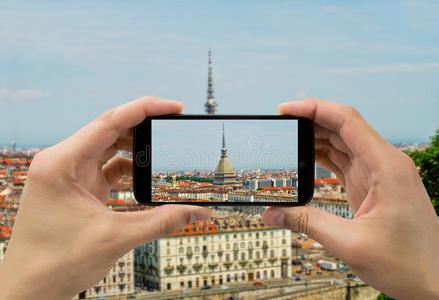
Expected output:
{"points": [[210, 105], [224, 173], [223, 148]]}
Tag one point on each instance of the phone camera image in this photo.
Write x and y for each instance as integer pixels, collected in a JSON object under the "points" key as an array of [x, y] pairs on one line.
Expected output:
{"points": [[252, 161]]}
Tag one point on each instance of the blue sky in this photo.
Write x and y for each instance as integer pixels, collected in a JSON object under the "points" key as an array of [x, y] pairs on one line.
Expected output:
{"points": [[251, 144], [64, 62]]}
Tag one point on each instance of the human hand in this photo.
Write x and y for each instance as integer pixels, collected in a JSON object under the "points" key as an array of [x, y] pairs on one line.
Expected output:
{"points": [[393, 240], [65, 239]]}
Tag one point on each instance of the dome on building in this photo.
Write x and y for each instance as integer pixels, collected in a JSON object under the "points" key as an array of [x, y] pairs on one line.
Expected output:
{"points": [[224, 166], [224, 173]]}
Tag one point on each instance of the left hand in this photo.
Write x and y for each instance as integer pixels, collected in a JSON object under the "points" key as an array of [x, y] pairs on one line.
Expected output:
{"points": [[65, 239]]}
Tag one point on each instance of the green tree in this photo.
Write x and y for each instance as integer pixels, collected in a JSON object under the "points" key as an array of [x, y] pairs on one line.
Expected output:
{"points": [[427, 161], [381, 296]]}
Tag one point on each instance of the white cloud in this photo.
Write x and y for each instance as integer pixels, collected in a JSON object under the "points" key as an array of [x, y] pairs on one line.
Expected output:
{"points": [[391, 68], [21, 94]]}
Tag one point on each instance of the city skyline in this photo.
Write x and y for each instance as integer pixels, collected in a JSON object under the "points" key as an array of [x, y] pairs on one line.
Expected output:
{"points": [[60, 73], [196, 144]]}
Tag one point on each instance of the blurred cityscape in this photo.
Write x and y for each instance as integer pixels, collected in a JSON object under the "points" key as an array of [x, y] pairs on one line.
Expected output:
{"points": [[231, 256]]}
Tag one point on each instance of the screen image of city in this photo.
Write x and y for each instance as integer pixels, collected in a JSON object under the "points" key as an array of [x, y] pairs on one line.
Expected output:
{"points": [[218, 160]]}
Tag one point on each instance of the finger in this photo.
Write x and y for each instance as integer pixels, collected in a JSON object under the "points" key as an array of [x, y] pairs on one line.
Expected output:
{"points": [[341, 159], [115, 168], [333, 138], [323, 160], [141, 227], [125, 144], [93, 139], [344, 121], [329, 230]]}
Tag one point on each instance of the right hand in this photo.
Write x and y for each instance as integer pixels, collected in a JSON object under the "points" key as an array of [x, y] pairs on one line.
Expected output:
{"points": [[392, 242]]}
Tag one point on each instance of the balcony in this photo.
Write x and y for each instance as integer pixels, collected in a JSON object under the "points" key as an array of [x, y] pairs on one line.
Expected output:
{"points": [[181, 268], [272, 259], [169, 270], [227, 264], [258, 261], [213, 266], [243, 263], [284, 259], [197, 267]]}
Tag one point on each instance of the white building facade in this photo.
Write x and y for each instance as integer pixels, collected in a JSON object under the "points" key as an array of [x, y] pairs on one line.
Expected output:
{"points": [[119, 281], [196, 260]]}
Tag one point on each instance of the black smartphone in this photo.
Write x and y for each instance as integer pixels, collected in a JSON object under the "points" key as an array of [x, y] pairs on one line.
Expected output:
{"points": [[224, 160]]}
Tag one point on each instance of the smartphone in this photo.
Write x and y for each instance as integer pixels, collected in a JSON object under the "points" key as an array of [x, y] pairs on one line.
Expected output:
{"points": [[225, 160]]}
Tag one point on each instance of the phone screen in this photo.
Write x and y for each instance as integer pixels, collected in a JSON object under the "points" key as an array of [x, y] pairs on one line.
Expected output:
{"points": [[202, 160]]}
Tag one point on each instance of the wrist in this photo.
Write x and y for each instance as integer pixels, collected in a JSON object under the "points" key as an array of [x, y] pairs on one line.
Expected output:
{"points": [[17, 283]]}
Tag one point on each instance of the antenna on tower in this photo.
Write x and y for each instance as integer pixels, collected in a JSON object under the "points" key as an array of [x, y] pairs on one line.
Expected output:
{"points": [[210, 105]]}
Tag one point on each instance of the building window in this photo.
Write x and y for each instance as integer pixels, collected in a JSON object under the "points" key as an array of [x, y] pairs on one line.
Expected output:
{"points": [[272, 273], [284, 241], [168, 286]]}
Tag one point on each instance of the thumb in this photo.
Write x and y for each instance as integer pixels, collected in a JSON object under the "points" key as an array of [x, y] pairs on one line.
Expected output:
{"points": [[329, 230], [141, 227]]}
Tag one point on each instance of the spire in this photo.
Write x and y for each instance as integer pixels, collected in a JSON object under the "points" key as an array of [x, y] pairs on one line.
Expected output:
{"points": [[210, 94], [210, 105], [223, 148]]}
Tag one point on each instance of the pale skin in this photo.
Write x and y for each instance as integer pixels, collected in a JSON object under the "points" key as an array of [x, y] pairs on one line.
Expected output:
{"points": [[392, 243], [65, 239]]}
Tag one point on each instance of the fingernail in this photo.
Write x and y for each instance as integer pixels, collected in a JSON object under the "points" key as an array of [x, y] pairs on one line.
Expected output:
{"points": [[274, 217]]}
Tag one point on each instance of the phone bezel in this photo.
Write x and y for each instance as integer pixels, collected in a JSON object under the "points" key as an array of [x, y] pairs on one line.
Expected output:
{"points": [[142, 170]]}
